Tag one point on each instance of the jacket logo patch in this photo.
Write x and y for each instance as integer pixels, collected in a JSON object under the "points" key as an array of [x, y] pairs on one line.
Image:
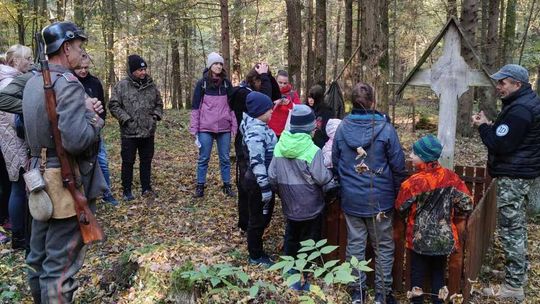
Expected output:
{"points": [[502, 130], [70, 77]]}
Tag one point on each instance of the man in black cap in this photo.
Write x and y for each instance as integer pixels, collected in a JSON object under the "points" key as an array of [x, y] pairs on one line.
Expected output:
{"points": [[513, 143], [136, 103], [56, 248]]}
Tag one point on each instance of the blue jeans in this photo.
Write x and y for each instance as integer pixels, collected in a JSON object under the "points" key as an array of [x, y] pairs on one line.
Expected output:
{"points": [[104, 165], [224, 145], [17, 201]]}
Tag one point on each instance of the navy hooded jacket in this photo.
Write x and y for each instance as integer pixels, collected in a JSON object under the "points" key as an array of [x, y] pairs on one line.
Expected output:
{"points": [[371, 192]]}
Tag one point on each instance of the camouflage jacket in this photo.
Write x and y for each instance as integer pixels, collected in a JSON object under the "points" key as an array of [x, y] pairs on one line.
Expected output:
{"points": [[259, 140], [430, 199], [137, 106]]}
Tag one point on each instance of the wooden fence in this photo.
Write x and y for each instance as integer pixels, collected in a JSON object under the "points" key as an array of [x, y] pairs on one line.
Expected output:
{"points": [[475, 233]]}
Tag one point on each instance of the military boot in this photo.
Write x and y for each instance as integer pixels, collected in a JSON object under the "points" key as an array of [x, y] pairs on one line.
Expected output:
{"points": [[505, 292]]}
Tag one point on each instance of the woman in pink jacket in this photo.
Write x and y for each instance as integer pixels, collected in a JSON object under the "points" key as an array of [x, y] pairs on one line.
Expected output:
{"points": [[212, 118]]}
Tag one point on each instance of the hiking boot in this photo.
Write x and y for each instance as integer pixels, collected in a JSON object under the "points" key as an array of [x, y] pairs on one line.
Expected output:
{"points": [[358, 296], [199, 190], [109, 198], [505, 291], [264, 261], [128, 196], [227, 190]]}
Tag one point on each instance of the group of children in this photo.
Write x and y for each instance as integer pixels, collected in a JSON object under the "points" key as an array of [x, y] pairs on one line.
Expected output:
{"points": [[298, 171]]}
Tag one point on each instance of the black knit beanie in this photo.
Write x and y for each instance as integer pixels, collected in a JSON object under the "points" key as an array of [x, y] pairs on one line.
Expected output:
{"points": [[135, 62]]}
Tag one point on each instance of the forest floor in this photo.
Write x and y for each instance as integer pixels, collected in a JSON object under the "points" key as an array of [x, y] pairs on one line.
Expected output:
{"points": [[149, 243]]}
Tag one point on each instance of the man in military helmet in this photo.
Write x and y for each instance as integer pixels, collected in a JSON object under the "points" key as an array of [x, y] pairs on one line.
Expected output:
{"points": [[56, 247], [136, 103]]}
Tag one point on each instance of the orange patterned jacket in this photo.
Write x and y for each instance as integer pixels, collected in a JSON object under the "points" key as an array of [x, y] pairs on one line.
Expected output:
{"points": [[429, 200]]}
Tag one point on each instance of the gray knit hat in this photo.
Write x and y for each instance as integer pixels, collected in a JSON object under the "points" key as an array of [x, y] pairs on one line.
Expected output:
{"points": [[302, 119], [214, 58]]}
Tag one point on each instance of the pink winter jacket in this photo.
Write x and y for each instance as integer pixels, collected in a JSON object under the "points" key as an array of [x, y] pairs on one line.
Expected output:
{"points": [[331, 127]]}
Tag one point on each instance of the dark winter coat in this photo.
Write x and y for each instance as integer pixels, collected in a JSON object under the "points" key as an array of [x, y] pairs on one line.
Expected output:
{"points": [[366, 194], [93, 88], [137, 105], [513, 141]]}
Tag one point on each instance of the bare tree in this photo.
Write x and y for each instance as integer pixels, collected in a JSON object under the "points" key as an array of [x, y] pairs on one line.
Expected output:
{"points": [[374, 49], [310, 53], [294, 44], [509, 32], [225, 41], [347, 44], [236, 29], [469, 20], [320, 43]]}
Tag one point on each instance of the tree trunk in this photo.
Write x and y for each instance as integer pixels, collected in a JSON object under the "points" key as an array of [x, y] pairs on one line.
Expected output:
{"points": [[236, 29], [225, 41], [78, 13], [355, 65], [176, 85], [502, 9], [320, 43], [374, 49], [509, 32], [347, 45], [294, 44], [310, 54], [469, 19], [531, 10], [109, 18], [187, 34], [20, 21], [336, 46], [488, 101], [60, 10]]}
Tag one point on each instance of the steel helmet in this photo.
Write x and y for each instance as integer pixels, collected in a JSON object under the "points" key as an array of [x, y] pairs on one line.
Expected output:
{"points": [[56, 34]]}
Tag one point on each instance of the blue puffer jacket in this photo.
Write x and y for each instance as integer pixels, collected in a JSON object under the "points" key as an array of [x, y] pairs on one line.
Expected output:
{"points": [[368, 193]]}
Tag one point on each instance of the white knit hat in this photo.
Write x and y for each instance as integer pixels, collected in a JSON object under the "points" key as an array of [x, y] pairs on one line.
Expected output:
{"points": [[214, 58]]}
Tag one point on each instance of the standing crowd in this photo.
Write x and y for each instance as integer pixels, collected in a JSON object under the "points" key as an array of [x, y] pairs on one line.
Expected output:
{"points": [[300, 152]]}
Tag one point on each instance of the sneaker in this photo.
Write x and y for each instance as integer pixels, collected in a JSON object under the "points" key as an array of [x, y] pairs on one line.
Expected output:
{"points": [[128, 196], [227, 190], [109, 198], [358, 296], [505, 291], [264, 261], [199, 190]]}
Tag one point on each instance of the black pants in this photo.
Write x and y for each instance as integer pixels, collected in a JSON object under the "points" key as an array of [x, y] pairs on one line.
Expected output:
{"points": [[5, 191], [241, 169], [299, 231], [257, 221], [422, 265], [130, 146]]}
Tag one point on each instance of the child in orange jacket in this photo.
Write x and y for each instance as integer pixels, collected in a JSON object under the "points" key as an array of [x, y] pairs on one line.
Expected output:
{"points": [[430, 199]]}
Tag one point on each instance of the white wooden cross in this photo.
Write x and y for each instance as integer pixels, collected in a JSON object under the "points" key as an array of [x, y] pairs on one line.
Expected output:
{"points": [[449, 78]]}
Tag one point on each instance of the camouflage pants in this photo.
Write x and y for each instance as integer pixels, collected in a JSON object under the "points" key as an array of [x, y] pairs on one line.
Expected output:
{"points": [[512, 198]]}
